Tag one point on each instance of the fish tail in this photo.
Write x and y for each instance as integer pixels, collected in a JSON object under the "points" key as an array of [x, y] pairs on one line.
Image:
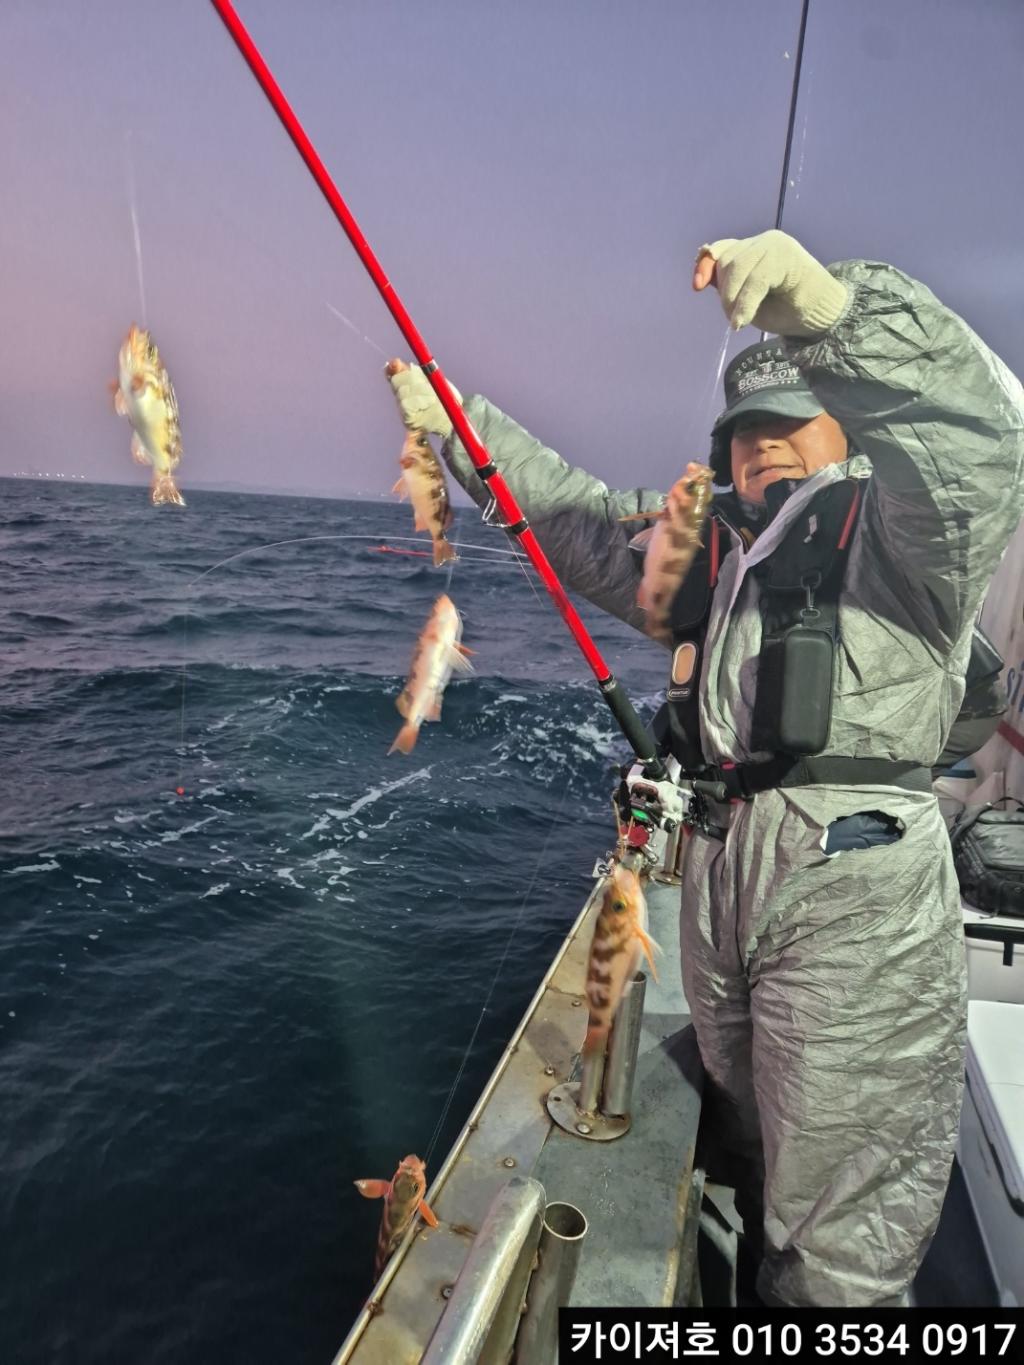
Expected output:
{"points": [[594, 1041], [166, 490], [405, 740], [444, 552]]}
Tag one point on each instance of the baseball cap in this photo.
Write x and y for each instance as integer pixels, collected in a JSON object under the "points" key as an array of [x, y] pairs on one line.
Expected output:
{"points": [[760, 379], [763, 379]]}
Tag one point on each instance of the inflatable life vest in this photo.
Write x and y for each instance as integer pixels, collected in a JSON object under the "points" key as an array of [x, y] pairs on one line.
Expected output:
{"points": [[800, 586]]}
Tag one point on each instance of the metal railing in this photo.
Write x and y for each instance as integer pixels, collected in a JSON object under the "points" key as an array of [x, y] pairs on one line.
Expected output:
{"points": [[519, 1272]]}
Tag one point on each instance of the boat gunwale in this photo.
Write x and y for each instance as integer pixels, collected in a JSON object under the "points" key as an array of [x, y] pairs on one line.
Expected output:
{"points": [[373, 1305]]}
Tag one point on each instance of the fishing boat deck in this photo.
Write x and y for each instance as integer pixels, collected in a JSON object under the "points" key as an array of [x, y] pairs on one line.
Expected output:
{"points": [[639, 1193]]}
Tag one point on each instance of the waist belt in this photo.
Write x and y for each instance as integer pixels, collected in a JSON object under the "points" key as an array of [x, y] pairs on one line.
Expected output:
{"points": [[745, 780]]}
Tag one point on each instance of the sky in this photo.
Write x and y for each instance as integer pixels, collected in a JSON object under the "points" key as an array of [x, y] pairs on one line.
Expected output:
{"points": [[535, 178]]}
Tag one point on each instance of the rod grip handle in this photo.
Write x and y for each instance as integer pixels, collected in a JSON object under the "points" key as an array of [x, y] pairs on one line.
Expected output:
{"points": [[633, 728]]}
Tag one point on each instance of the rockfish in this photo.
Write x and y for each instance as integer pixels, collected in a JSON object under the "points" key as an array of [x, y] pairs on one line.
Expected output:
{"points": [[671, 548], [438, 651], [423, 483], [144, 394], [620, 937], [403, 1199]]}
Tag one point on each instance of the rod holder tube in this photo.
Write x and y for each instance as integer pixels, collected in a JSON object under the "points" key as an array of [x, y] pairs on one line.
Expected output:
{"points": [[561, 1244], [623, 1048], [590, 1081], [670, 860], [482, 1317]]}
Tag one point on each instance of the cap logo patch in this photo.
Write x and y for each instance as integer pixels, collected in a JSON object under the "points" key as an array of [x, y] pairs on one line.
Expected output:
{"points": [[770, 373]]}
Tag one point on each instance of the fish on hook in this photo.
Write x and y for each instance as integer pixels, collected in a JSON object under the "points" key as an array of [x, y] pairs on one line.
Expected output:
{"points": [[403, 1199]]}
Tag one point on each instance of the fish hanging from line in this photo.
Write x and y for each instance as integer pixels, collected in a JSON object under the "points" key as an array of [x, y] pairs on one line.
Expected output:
{"points": [[422, 481], [672, 544], [620, 938], [439, 650], [403, 1199], [145, 395]]}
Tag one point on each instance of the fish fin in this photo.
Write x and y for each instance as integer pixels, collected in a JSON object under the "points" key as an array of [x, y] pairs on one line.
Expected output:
{"points": [[400, 489], [642, 539], [458, 660], [138, 383], [139, 452], [419, 524], [404, 703], [434, 711], [427, 1214], [449, 517], [444, 552], [405, 740], [464, 649], [166, 490], [372, 1189], [648, 944]]}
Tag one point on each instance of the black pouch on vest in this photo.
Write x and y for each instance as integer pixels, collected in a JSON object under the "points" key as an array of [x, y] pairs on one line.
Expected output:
{"points": [[800, 585], [988, 854], [794, 690]]}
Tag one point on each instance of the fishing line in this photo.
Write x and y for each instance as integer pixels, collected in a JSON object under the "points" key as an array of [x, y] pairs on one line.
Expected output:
{"points": [[303, 540], [529, 579], [452, 562], [353, 328], [798, 177], [133, 206], [463, 559], [494, 981], [238, 228], [710, 401], [180, 789]]}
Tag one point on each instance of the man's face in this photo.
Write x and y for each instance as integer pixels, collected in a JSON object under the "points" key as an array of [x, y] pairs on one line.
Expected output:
{"points": [[766, 447]]}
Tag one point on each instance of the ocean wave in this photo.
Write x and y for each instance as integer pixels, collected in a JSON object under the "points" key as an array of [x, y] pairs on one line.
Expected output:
{"points": [[44, 620]]}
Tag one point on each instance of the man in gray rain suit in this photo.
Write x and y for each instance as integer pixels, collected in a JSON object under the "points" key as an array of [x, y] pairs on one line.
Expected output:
{"points": [[876, 452]]}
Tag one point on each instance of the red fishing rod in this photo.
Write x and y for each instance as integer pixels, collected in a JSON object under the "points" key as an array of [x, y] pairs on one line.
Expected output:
{"points": [[515, 523]]}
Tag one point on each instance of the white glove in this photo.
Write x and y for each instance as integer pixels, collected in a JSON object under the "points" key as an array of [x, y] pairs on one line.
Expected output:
{"points": [[419, 404], [771, 281]]}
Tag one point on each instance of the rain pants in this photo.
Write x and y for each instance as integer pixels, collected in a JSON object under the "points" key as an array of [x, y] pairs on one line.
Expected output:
{"points": [[828, 991]]}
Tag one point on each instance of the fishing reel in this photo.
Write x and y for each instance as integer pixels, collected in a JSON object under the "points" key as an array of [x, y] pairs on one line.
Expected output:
{"points": [[648, 804], [644, 807]]}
